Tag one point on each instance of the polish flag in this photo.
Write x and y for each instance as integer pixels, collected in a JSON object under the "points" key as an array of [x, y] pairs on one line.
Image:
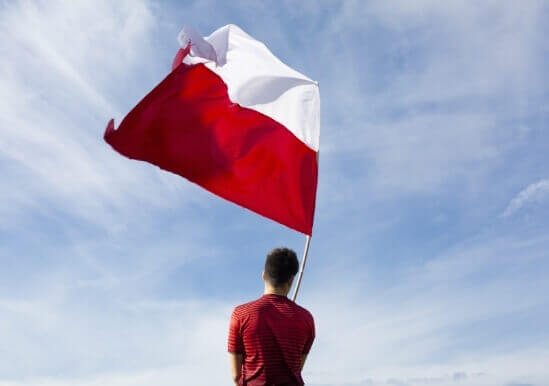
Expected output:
{"points": [[234, 119]]}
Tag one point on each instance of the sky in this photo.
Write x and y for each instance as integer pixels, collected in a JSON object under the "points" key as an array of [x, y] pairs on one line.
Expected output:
{"points": [[428, 263]]}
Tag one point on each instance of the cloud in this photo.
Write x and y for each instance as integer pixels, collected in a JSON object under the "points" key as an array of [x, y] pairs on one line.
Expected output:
{"points": [[417, 105], [136, 343], [459, 375], [115, 272], [533, 193], [425, 322], [519, 384], [57, 95], [425, 326]]}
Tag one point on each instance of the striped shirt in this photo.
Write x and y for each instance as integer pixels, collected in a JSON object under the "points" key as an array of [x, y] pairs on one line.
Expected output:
{"points": [[272, 332]]}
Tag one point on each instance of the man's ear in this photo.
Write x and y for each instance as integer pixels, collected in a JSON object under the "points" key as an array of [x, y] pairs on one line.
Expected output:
{"points": [[263, 276], [291, 281]]}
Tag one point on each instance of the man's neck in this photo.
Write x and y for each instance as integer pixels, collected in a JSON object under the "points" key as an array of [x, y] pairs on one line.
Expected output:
{"points": [[276, 291]]}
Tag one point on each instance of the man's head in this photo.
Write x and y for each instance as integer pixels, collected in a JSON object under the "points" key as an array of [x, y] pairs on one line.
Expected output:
{"points": [[280, 268]]}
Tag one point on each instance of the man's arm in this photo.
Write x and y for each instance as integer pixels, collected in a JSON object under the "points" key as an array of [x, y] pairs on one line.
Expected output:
{"points": [[303, 359], [236, 366], [235, 347], [309, 341]]}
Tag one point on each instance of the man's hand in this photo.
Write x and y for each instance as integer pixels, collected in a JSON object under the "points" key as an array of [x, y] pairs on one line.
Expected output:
{"points": [[236, 366]]}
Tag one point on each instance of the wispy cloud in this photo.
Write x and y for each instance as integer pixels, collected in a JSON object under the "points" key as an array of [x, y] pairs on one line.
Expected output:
{"points": [[432, 321], [533, 193], [116, 273], [55, 81], [430, 92], [429, 320]]}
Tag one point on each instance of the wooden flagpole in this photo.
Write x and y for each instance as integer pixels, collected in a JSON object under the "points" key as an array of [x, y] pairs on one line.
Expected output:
{"points": [[302, 267]]}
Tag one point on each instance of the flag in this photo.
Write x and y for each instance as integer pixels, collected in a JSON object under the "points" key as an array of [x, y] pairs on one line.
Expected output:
{"points": [[234, 119]]}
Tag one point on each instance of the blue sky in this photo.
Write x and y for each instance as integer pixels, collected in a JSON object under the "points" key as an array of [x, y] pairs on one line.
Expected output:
{"points": [[428, 263]]}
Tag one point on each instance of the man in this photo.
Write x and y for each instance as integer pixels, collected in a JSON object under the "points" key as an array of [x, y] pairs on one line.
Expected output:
{"points": [[269, 338]]}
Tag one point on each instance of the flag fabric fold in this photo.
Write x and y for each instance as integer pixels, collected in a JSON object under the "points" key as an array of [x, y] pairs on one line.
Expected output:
{"points": [[234, 119]]}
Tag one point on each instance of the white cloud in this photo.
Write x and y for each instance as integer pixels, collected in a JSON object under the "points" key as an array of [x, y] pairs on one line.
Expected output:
{"points": [[457, 73], [424, 91], [419, 325], [132, 344], [536, 192], [60, 61], [436, 319]]}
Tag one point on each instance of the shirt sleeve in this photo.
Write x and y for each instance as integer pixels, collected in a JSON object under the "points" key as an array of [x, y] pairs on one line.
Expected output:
{"points": [[311, 337], [236, 344]]}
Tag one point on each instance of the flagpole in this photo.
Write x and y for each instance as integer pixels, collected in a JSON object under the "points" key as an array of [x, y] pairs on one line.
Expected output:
{"points": [[302, 267]]}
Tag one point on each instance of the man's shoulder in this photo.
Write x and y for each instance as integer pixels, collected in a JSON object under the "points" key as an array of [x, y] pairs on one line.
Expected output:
{"points": [[246, 307], [258, 304], [305, 312]]}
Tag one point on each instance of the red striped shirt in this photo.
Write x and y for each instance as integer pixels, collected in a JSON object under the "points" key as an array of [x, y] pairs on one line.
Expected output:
{"points": [[272, 332]]}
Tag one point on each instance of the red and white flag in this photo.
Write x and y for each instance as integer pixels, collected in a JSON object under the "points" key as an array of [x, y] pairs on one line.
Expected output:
{"points": [[234, 119]]}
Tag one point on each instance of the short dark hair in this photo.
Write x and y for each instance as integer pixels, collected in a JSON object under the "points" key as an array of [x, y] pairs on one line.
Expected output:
{"points": [[281, 265]]}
